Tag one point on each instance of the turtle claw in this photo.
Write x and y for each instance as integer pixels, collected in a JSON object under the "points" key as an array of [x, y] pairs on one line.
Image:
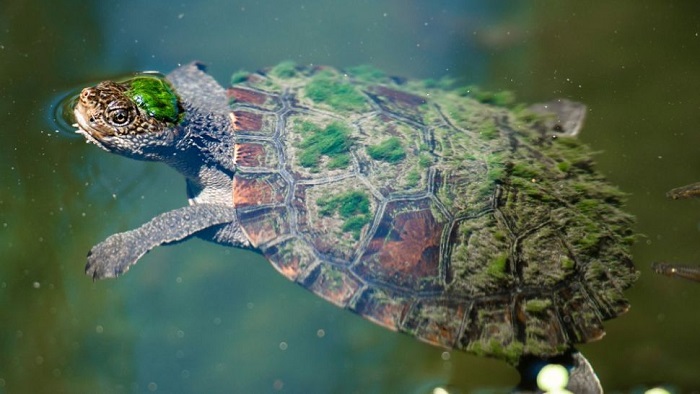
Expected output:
{"points": [[113, 256]]}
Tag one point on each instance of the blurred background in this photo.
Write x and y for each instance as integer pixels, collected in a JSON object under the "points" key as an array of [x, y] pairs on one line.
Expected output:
{"points": [[201, 317]]}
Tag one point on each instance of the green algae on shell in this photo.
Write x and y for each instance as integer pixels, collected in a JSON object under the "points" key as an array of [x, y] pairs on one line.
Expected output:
{"points": [[389, 150], [332, 141]]}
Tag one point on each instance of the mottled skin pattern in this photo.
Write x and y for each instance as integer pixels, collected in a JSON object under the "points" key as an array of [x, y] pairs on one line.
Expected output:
{"points": [[465, 224]]}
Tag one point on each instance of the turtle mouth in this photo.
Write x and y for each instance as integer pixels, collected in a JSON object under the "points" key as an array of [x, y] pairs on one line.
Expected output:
{"points": [[84, 127]]}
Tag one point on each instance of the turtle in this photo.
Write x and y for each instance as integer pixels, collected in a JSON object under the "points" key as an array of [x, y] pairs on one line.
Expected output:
{"points": [[448, 213]]}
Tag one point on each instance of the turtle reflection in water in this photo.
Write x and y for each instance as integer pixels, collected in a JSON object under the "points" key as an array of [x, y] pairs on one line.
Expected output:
{"points": [[447, 214], [685, 271]]}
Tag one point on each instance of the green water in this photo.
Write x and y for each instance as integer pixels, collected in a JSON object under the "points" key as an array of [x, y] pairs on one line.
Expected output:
{"points": [[198, 317]]}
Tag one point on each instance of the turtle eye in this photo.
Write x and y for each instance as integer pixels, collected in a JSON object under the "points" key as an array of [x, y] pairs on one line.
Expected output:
{"points": [[119, 117]]}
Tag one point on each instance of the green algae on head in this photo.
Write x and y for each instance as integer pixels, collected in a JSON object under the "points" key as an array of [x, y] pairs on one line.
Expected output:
{"points": [[155, 96]]}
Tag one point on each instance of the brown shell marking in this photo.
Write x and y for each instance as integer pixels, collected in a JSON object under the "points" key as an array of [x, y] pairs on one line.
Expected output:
{"points": [[246, 120], [400, 97], [405, 250], [265, 225], [384, 309], [291, 257], [249, 155], [246, 95], [333, 284], [395, 101], [255, 190]]}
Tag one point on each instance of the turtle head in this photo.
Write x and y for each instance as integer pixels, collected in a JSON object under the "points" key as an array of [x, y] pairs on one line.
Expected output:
{"points": [[135, 118]]}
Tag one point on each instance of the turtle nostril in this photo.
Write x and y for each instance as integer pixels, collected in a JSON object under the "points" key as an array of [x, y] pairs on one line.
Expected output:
{"points": [[87, 94]]}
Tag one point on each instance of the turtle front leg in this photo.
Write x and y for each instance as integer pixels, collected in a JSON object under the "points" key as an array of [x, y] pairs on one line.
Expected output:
{"points": [[116, 254]]}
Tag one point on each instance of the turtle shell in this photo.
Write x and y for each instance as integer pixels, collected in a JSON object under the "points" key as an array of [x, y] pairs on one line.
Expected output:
{"points": [[447, 214]]}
